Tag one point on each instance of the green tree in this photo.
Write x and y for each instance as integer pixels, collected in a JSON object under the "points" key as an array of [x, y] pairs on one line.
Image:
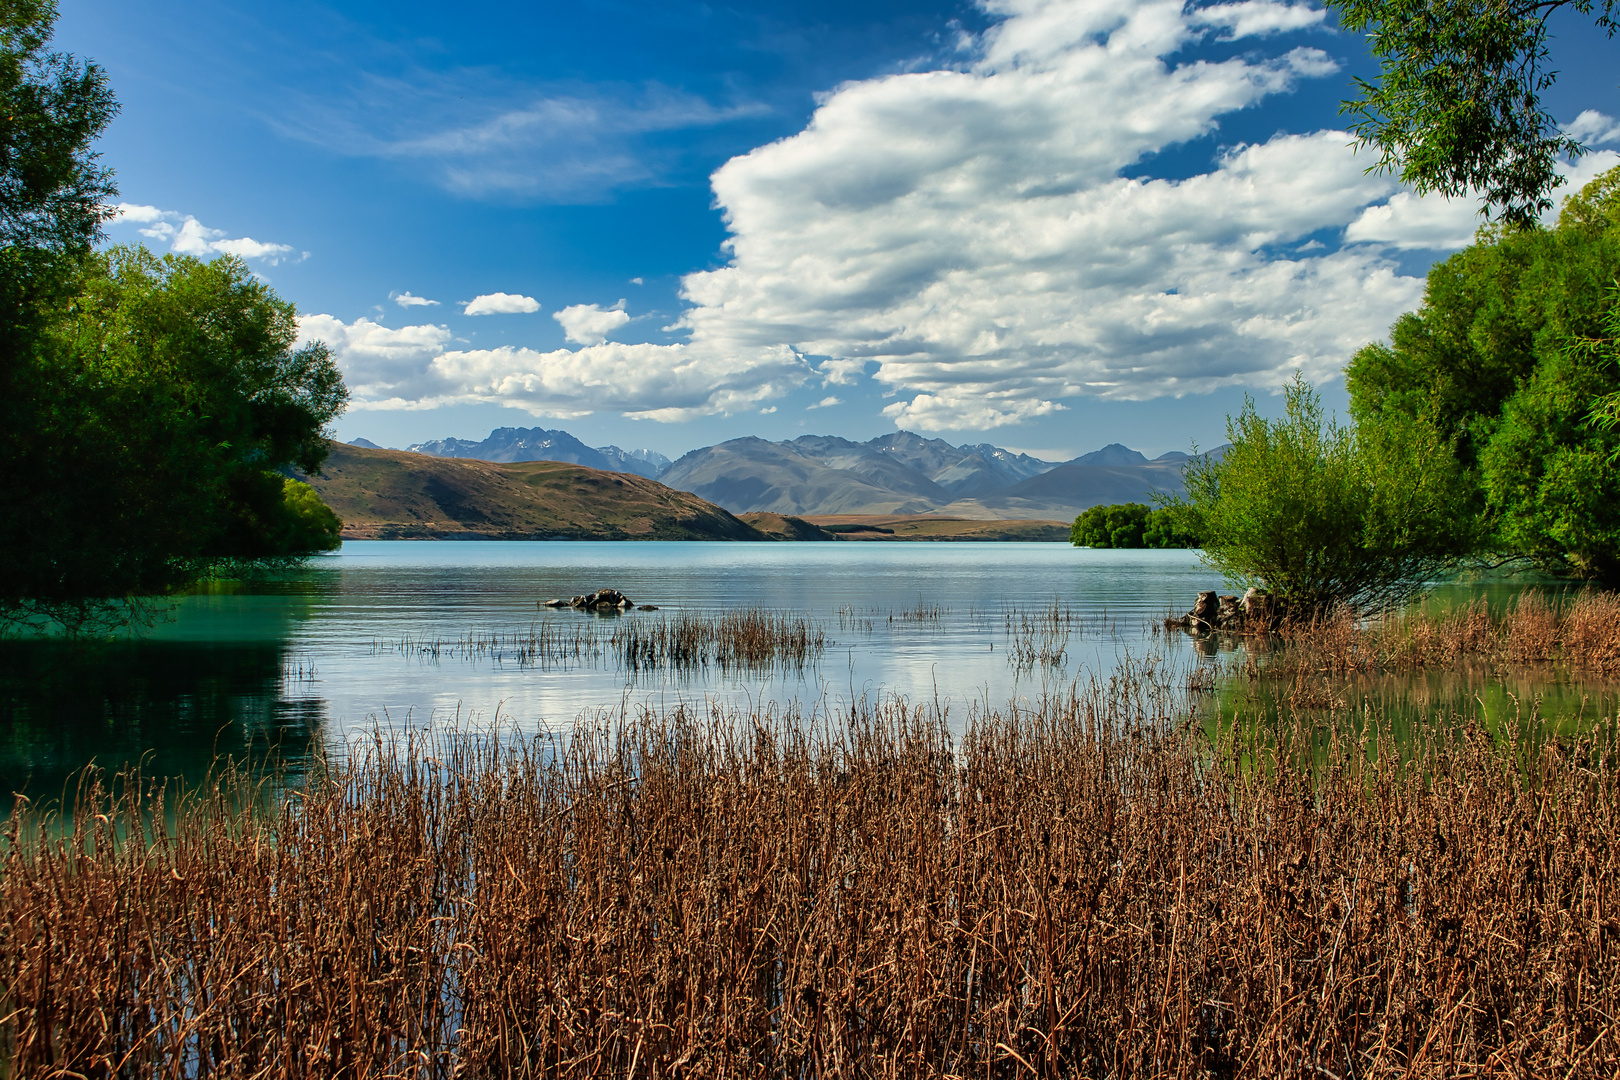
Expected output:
{"points": [[1510, 357], [169, 398], [1549, 471], [1133, 525], [1456, 107], [148, 407], [1172, 526], [1490, 314], [1117, 526], [1326, 516], [1606, 350], [52, 107]]}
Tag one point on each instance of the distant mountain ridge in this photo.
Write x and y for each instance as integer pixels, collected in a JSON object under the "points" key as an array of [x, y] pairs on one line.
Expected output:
{"points": [[898, 473], [539, 444], [399, 495]]}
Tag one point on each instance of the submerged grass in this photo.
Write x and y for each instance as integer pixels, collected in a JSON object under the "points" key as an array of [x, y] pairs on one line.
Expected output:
{"points": [[748, 639], [1039, 636], [751, 639], [1085, 885]]}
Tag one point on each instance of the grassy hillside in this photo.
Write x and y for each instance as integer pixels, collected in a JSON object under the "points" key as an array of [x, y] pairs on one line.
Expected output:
{"points": [[394, 495]]}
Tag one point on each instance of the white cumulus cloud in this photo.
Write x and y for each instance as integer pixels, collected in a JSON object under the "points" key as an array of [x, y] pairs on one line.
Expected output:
{"points": [[187, 236], [590, 324], [383, 367], [1413, 222], [406, 300], [500, 303], [967, 238], [1594, 128], [1253, 18], [414, 368], [1408, 222]]}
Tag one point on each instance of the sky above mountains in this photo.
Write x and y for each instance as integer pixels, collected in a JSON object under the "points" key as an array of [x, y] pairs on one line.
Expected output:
{"points": [[1051, 225]]}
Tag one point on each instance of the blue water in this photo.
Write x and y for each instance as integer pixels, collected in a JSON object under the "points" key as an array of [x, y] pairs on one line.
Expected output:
{"points": [[326, 654]]}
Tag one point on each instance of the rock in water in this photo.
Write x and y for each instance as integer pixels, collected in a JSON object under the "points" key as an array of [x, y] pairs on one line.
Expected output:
{"points": [[1205, 613], [604, 600]]}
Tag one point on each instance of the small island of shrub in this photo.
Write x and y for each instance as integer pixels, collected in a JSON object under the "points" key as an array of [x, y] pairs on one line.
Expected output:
{"points": [[1134, 525]]}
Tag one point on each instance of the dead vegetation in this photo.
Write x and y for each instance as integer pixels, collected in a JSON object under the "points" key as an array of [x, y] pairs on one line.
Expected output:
{"points": [[1581, 631], [1082, 887]]}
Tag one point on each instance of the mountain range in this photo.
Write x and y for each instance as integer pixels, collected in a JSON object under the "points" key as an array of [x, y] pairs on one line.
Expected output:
{"points": [[898, 473], [537, 444]]}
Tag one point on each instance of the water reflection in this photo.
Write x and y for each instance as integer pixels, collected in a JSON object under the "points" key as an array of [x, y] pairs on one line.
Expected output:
{"points": [[1258, 679], [175, 705]]}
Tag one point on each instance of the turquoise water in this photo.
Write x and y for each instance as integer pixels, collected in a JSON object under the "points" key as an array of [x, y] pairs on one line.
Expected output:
{"points": [[336, 650], [373, 638]]}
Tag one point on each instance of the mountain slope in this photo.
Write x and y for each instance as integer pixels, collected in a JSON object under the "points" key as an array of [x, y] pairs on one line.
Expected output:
{"points": [[814, 473], [963, 471], [395, 494], [648, 463], [1113, 474], [518, 444]]}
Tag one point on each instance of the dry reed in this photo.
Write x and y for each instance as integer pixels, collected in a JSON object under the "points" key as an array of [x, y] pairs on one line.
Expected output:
{"points": [[544, 644], [748, 639], [1081, 887], [1581, 631], [1039, 636]]}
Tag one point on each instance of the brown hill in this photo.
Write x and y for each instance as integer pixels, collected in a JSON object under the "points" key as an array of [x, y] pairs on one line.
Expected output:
{"points": [[396, 495]]}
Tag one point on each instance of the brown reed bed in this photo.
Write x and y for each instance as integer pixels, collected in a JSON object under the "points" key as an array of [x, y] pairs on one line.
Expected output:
{"points": [[746, 639], [1580, 630], [1082, 887], [749, 639]]}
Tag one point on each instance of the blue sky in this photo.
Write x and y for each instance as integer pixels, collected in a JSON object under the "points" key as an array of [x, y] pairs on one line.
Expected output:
{"points": [[1048, 224]]}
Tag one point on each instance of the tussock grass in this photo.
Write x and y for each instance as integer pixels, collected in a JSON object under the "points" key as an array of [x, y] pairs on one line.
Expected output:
{"points": [[1581, 631], [1080, 887]]}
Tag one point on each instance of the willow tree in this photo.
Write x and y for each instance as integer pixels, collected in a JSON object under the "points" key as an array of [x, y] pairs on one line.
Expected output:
{"points": [[1327, 516]]}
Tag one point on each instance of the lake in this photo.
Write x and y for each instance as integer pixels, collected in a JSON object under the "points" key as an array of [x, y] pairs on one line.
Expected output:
{"points": [[387, 635]]}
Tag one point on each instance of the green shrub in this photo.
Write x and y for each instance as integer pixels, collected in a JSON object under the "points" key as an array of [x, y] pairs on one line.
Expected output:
{"points": [[1134, 525], [1326, 516]]}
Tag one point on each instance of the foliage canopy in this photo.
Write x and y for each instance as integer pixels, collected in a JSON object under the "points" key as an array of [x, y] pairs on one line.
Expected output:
{"points": [[166, 397], [1512, 357], [52, 192], [1456, 107], [148, 407], [1133, 525]]}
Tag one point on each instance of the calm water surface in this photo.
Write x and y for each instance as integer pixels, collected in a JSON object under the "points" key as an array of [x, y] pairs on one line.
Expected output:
{"points": [[334, 651], [344, 646]]}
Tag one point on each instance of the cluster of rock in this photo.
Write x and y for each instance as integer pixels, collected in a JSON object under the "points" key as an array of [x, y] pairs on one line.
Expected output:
{"points": [[1257, 610], [600, 600]]}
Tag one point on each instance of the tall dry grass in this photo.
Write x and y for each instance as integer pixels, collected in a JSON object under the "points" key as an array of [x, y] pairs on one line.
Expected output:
{"points": [[1077, 888], [750, 639], [1582, 630]]}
